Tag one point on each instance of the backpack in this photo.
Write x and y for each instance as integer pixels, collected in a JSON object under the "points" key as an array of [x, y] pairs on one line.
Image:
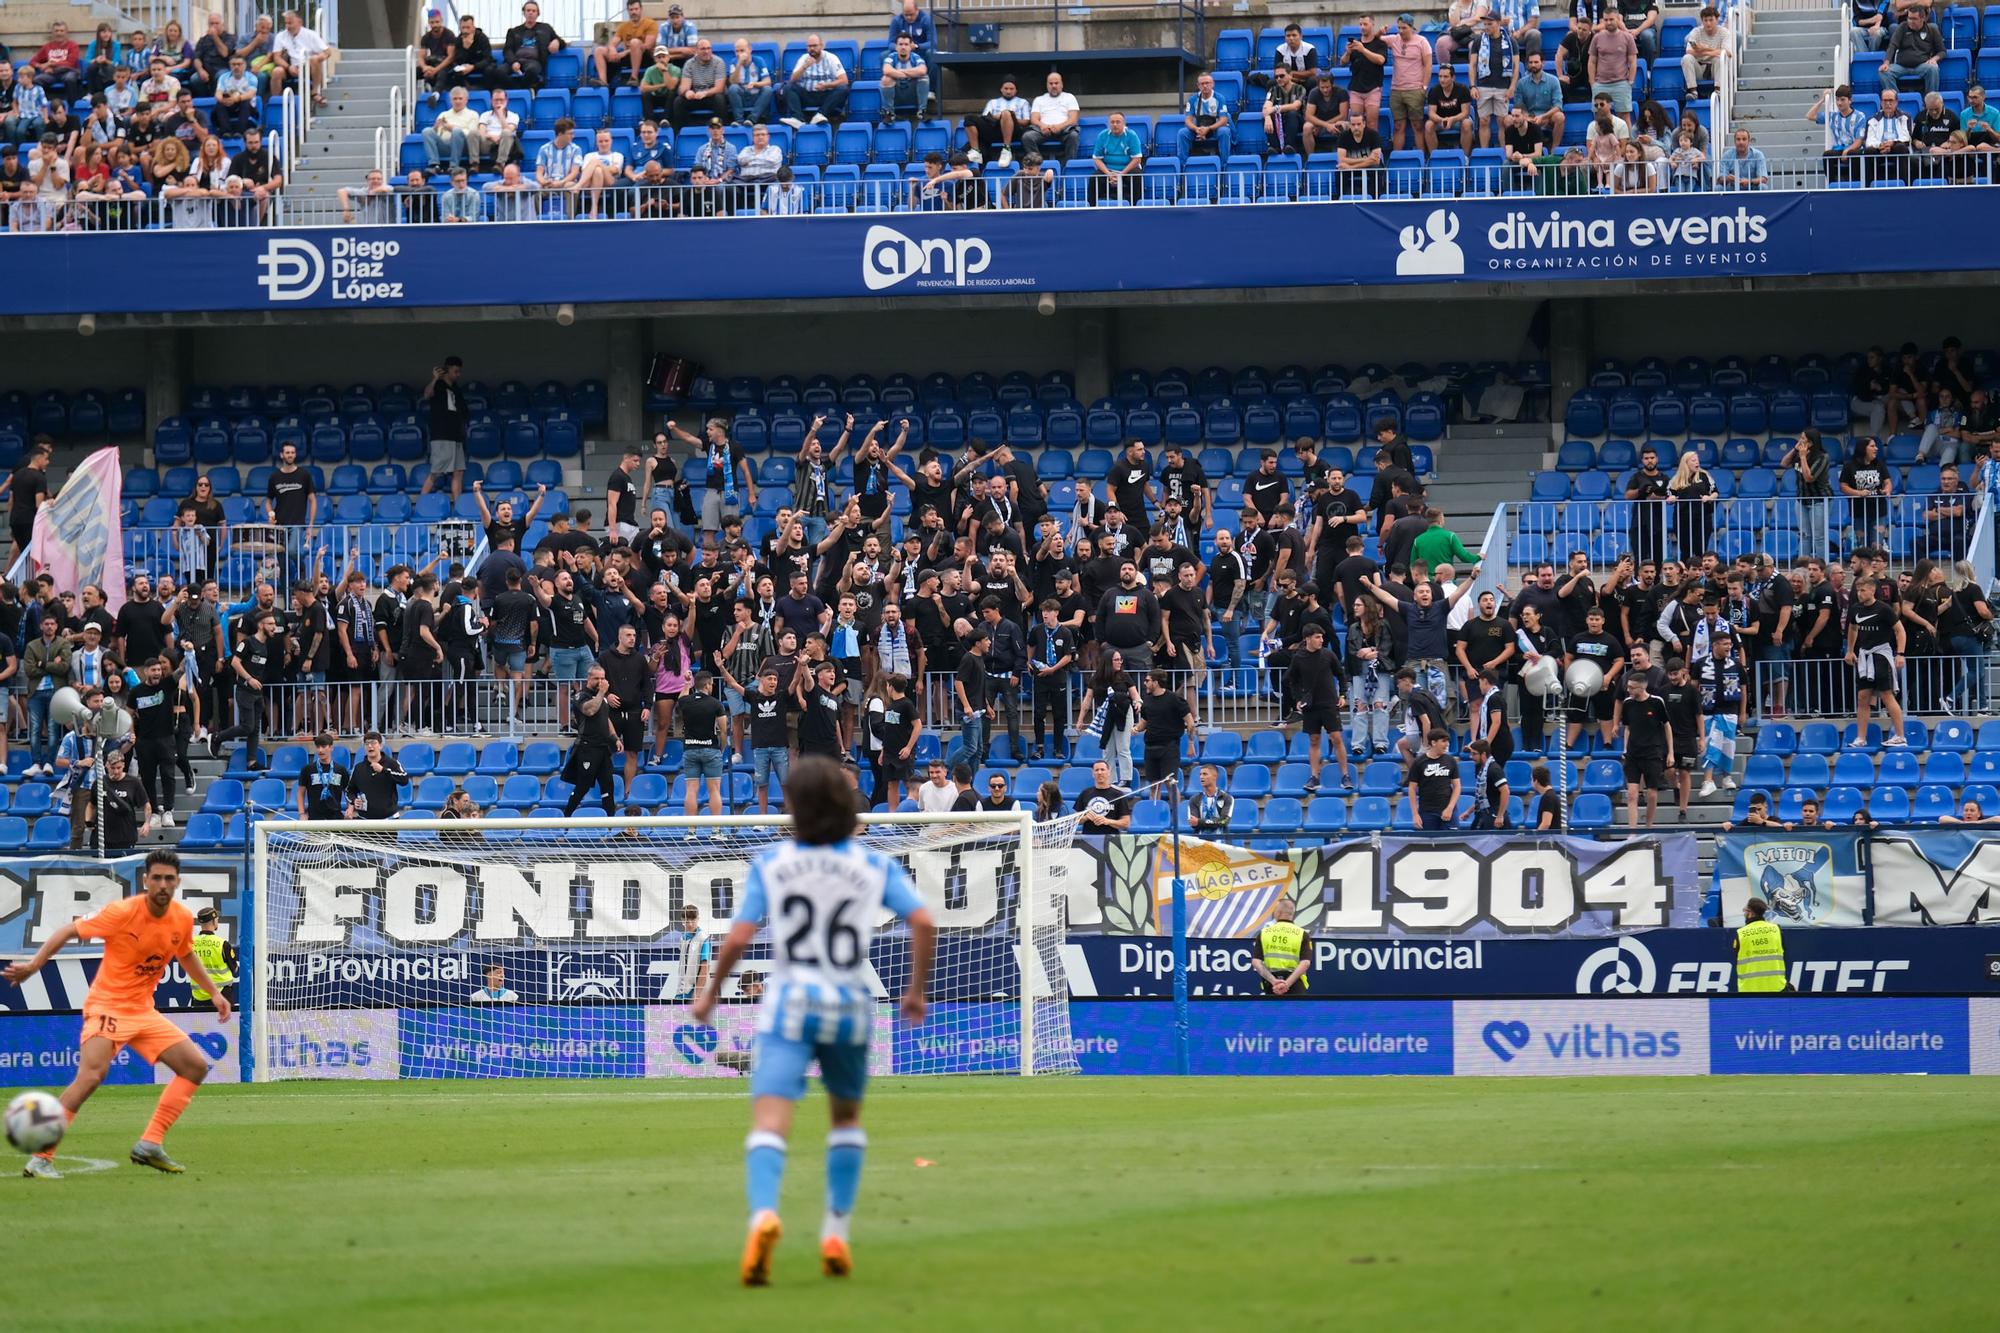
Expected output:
{"points": [[464, 626]]}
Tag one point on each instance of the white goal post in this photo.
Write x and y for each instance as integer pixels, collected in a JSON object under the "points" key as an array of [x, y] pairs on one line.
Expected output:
{"points": [[441, 948]]}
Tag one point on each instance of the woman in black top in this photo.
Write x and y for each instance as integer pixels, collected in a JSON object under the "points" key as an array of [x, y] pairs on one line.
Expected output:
{"points": [[1865, 479], [1535, 643], [1963, 624], [1694, 508]]}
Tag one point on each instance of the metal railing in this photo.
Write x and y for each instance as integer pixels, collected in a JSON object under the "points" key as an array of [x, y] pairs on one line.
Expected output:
{"points": [[241, 557], [1960, 685], [479, 704], [1935, 525]]}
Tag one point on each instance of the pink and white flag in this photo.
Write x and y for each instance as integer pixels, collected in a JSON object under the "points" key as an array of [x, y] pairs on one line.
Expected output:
{"points": [[79, 536]]}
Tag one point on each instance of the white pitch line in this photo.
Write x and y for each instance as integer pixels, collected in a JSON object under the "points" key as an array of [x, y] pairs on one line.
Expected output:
{"points": [[85, 1165]]}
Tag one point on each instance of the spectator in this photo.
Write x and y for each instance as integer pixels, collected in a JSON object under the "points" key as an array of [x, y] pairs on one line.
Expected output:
{"points": [[680, 36], [559, 162], [1632, 174], [906, 86], [1448, 108], [529, 45], [1493, 67], [461, 203], [161, 90], [299, 52], [914, 22], [1980, 121], [757, 166], [172, 43], [1104, 808], [1540, 95], [447, 426], [57, 65], [1358, 153], [941, 183], [257, 52], [999, 124], [449, 141], [751, 94], [1365, 58], [704, 88], [631, 45], [23, 121], [1295, 54], [1118, 157], [603, 167], [433, 52], [1433, 784], [1742, 167], [1708, 47], [1410, 76], [1284, 108], [104, 56], [1935, 125], [1322, 113], [1868, 24], [1912, 54], [1523, 21], [787, 198], [236, 99], [1613, 61], [1166, 719], [373, 204], [1461, 22], [510, 196], [658, 87], [1846, 130], [818, 84], [496, 141], [1055, 114], [472, 64], [1868, 481]]}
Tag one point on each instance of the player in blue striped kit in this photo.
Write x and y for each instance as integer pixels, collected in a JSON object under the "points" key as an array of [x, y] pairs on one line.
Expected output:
{"points": [[823, 896]]}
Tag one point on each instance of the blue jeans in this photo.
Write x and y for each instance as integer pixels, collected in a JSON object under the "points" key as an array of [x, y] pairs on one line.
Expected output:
{"points": [[569, 663], [973, 737], [1812, 528], [41, 739], [768, 762], [1924, 76], [1970, 695], [828, 102], [749, 106], [448, 148], [1223, 140], [17, 128]]}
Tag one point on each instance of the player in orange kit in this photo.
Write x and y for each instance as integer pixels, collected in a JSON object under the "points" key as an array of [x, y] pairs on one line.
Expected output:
{"points": [[141, 936]]}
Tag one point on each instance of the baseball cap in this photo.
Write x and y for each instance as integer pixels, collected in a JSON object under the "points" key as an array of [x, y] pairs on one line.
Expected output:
{"points": [[673, 11], [1406, 18]]}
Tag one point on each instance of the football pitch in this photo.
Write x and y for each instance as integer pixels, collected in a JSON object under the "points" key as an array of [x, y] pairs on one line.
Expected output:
{"points": [[1054, 1204]]}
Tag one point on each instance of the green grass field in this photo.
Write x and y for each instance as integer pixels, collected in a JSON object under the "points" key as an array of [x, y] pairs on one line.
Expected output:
{"points": [[1056, 1204]]}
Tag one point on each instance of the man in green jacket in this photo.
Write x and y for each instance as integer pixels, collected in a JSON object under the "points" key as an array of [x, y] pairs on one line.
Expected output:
{"points": [[45, 666], [1438, 544]]}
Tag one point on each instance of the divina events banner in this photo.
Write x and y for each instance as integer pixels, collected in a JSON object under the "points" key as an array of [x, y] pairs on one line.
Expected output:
{"points": [[1360, 244]]}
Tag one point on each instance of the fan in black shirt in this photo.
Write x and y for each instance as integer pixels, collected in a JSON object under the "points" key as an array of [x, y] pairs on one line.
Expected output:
{"points": [[323, 785], [1649, 748], [288, 495], [1433, 785], [375, 781]]}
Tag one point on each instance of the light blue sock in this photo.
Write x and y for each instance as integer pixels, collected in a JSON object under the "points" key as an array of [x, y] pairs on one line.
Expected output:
{"points": [[764, 1170], [845, 1150]]}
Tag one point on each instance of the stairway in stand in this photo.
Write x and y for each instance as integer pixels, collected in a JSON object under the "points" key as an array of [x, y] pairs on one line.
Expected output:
{"points": [[340, 147], [1787, 62]]}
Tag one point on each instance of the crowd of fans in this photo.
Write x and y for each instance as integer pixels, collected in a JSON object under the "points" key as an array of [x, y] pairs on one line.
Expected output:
{"points": [[747, 634], [109, 135]]}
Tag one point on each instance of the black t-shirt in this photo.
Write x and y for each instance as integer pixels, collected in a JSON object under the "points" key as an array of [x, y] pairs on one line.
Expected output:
{"points": [[1345, 140], [1327, 106], [1527, 140], [819, 723], [142, 629], [1866, 478], [315, 636], [513, 610], [325, 786], [1187, 616], [898, 721], [1364, 75], [1264, 494], [1645, 485], [153, 708], [1829, 641], [1602, 649], [570, 614], [1485, 640], [871, 486], [972, 677], [259, 658], [767, 718], [1128, 486], [447, 411], [1165, 716], [1494, 706], [1683, 703], [418, 616], [1312, 680], [375, 794], [1157, 562], [1181, 483], [621, 497], [30, 482], [1647, 723], [1114, 802], [967, 800], [1455, 101], [125, 800], [290, 494], [1874, 625], [699, 714], [1433, 778], [1552, 806]]}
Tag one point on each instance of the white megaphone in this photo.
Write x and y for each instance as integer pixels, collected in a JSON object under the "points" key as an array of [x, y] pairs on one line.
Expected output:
{"points": [[1583, 679], [1542, 677], [66, 708]]}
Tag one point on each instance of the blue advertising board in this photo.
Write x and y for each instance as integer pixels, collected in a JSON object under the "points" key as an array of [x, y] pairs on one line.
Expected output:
{"points": [[1511, 240]]}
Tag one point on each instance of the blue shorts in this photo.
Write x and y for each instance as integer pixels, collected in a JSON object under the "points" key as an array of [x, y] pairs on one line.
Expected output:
{"points": [[510, 656], [770, 760], [702, 761], [569, 663], [780, 1065], [734, 701]]}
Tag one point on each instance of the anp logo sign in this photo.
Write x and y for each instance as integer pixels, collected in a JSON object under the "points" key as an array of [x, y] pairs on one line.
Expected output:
{"points": [[888, 257]]}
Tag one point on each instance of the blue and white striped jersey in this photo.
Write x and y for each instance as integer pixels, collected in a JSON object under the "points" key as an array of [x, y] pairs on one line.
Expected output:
{"points": [[822, 904]]}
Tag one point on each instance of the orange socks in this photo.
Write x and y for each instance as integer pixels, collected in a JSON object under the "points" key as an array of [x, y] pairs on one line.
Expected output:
{"points": [[172, 1102], [69, 1117]]}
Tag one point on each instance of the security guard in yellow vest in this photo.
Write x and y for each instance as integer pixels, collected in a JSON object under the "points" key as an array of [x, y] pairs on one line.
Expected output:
{"points": [[1282, 953], [217, 955], [1760, 953]]}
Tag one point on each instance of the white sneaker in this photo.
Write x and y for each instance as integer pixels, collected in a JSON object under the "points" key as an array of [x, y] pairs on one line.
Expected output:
{"points": [[1006, 157], [818, 118], [792, 121], [1729, 782], [166, 819], [973, 159], [1895, 740], [1708, 787], [200, 736]]}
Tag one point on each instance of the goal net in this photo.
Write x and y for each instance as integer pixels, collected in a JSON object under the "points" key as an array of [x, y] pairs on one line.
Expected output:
{"points": [[520, 948]]}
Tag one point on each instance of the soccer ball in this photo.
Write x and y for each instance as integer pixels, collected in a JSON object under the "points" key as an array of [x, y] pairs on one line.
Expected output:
{"points": [[35, 1122]]}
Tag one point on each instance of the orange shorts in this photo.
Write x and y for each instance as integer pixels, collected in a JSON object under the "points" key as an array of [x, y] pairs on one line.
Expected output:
{"points": [[149, 1035]]}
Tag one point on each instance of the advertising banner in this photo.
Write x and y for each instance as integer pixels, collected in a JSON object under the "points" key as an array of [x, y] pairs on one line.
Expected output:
{"points": [[1381, 243], [1983, 1017], [1580, 1037], [1781, 1035]]}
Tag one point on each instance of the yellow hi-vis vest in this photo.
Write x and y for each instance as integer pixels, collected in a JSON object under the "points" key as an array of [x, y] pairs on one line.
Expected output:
{"points": [[1760, 957], [208, 948], [1282, 941]]}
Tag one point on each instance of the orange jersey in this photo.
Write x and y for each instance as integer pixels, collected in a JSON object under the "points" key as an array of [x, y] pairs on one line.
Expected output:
{"points": [[137, 948]]}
